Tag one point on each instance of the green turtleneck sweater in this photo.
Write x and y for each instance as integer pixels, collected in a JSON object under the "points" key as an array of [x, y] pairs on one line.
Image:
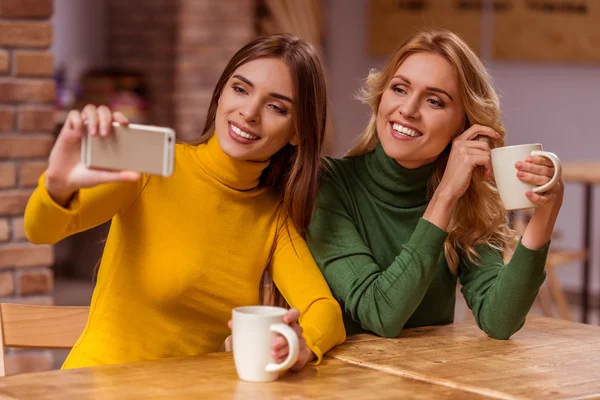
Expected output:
{"points": [[386, 265]]}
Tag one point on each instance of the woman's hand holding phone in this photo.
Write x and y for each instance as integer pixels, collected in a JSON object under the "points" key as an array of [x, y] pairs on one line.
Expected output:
{"points": [[66, 174]]}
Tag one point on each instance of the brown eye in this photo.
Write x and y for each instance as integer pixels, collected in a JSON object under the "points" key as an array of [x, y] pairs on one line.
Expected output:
{"points": [[239, 89], [398, 90], [278, 109]]}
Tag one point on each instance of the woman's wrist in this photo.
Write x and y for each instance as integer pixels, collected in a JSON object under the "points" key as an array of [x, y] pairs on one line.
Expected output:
{"points": [[539, 229], [440, 208], [58, 190]]}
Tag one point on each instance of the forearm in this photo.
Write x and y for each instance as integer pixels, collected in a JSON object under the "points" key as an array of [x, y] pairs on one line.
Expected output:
{"points": [[47, 221], [382, 302], [323, 327], [501, 296], [539, 229]]}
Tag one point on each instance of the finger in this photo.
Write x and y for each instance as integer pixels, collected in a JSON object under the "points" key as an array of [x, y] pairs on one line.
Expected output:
{"points": [[104, 120], [298, 329], [539, 161], [278, 343], [281, 359], [534, 179], [90, 115], [99, 176], [482, 160], [470, 151], [475, 144], [230, 324], [74, 122], [291, 316], [229, 343], [537, 198], [120, 118], [281, 353], [535, 169], [487, 173], [476, 130]]}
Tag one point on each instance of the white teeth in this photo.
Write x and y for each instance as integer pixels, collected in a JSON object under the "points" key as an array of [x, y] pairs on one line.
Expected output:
{"points": [[243, 134], [406, 131]]}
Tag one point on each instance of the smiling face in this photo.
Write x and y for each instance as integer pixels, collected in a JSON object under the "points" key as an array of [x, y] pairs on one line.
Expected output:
{"points": [[420, 111], [254, 116]]}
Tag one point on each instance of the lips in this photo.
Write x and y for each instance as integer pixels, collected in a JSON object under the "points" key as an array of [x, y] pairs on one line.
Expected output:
{"points": [[405, 130]]}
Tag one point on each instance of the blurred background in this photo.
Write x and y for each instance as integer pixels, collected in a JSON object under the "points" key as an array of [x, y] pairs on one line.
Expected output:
{"points": [[158, 62]]}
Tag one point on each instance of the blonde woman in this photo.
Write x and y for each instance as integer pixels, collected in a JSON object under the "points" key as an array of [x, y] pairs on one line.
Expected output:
{"points": [[414, 207]]}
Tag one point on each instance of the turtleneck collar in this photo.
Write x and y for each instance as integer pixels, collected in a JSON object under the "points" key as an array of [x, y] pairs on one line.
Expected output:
{"points": [[392, 183], [235, 174]]}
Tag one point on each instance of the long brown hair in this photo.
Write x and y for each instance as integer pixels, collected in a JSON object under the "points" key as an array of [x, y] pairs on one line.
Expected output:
{"points": [[479, 217], [294, 170]]}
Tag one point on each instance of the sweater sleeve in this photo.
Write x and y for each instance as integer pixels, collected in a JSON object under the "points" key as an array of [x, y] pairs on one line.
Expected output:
{"points": [[499, 295], [299, 280], [47, 222], [380, 298]]}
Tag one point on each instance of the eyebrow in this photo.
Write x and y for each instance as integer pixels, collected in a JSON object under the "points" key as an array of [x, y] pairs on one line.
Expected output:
{"points": [[276, 95], [429, 88]]}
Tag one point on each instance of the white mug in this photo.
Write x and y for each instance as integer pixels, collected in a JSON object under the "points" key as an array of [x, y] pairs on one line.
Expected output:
{"points": [[511, 189], [253, 332]]}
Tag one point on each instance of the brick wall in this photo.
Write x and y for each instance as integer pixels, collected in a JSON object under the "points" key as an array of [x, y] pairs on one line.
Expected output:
{"points": [[142, 37], [209, 34], [181, 46], [26, 96]]}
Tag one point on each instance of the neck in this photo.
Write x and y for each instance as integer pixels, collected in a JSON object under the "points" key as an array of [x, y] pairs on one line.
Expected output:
{"points": [[236, 174], [394, 183]]}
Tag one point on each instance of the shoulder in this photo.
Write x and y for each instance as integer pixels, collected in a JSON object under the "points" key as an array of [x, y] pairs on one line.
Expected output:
{"points": [[338, 168], [338, 173]]}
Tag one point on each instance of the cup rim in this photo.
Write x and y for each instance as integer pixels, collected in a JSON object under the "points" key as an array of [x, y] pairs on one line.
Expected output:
{"points": [[516, 146], [260, 311]]}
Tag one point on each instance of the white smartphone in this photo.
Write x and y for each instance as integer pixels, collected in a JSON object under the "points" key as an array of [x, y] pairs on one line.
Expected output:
{"points": [[141, 148]]}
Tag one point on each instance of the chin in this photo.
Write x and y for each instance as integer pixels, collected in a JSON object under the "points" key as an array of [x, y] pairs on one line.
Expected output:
{"points": [[228, 146], [232, 150]]}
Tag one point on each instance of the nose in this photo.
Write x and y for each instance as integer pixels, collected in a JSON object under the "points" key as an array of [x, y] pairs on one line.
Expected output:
{"points": [[410, 108], [251, 112]]}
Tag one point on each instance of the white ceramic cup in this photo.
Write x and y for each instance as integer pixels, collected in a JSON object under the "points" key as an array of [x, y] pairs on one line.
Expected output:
{"points": [[254, 329], [512, 190]]}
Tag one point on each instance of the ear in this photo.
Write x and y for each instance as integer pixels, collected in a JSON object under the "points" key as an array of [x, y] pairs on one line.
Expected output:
{"points": [[294, 140]]}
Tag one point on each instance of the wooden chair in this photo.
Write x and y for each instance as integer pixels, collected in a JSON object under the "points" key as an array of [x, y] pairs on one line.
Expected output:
{"points": [[551, 292], [39, 327]]}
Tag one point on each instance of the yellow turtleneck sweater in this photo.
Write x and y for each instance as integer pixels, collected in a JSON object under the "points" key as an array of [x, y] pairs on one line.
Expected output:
{"points": [[181, 253]]}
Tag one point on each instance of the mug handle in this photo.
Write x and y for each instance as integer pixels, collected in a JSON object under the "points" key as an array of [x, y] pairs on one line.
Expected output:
{"points": [[557, 170], [290, 335]]}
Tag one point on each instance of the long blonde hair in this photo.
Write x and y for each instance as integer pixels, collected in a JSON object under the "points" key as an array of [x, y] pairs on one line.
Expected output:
{"points": [[479, 217]]}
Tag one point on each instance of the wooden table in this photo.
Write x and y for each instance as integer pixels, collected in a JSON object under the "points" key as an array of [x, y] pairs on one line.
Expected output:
{"points": [[588, 174], [213, 377], [548, 358]]}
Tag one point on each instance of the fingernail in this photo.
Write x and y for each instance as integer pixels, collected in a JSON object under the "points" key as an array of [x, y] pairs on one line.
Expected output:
{"points": [[104, 130], [521, 174], [529, 159], [519, 164]]}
